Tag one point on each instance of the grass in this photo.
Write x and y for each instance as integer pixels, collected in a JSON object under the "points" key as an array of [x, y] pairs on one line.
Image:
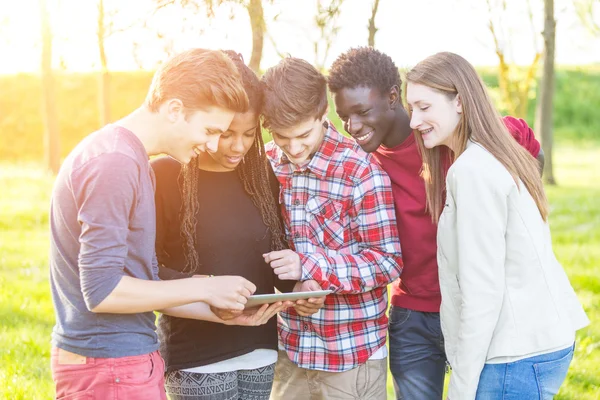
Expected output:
{"points": [[26, 309]]}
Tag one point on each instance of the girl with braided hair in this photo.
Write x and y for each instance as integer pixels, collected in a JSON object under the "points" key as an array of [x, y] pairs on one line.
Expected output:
{"points": [[217, 215]]}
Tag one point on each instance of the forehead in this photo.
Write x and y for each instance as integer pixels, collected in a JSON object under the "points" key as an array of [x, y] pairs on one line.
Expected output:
{"points": [[358, 96], [212, 118], [296, 130], [416, 92]]}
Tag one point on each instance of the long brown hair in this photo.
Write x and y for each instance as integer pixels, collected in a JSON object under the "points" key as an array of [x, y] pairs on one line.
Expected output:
{"points": [[253, 172], [451, 74]]}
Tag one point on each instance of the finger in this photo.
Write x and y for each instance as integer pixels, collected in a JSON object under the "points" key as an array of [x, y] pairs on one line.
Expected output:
{"points": [[280, 262], [275, 255], [287, 304], [245, 292], [317, 300], [236, 306], [250, 286], [300, 302], [288, 276]]}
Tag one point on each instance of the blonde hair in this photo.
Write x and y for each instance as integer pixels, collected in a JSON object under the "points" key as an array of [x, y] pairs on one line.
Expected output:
{"points": [[451, 74], [200, 78]]}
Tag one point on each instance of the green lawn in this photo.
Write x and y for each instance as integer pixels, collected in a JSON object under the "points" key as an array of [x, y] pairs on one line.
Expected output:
{"points": [[26, 311]]}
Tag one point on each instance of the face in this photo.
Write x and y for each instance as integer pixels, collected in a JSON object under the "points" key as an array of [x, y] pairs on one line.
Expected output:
{"points": [[434, 115], [198, 132], [368, 115], [234, 143], [301, 141]]}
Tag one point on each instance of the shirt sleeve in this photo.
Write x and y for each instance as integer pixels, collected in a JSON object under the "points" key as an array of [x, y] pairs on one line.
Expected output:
{"points": [[523, 134], [105, 190], [481, 219], [379, 260]]}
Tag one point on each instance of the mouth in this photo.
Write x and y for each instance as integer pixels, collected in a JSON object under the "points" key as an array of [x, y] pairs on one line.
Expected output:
{"points": [[233, 160], [365, 138], [426, 131], [298, 155]]}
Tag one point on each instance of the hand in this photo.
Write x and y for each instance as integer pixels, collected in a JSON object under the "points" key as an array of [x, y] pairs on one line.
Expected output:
{"points": [[285, 264], [256, 317], [312, 305], [225, 292], [226, 315]]}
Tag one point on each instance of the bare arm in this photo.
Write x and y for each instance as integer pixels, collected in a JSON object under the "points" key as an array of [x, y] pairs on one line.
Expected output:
{"points": [[133, 295]]}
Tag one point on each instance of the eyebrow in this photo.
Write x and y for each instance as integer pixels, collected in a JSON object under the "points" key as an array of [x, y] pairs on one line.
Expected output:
{"points": [[214, 130]]}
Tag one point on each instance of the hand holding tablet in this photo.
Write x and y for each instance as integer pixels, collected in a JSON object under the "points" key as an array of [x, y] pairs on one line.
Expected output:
{"points": [[259, 299]]}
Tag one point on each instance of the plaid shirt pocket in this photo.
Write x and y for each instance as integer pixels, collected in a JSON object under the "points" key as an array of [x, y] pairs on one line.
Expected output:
{"points": [[324, 221]]}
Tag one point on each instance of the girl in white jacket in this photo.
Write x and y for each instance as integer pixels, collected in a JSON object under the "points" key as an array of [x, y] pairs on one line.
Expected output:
{"points": [[509, 313]]}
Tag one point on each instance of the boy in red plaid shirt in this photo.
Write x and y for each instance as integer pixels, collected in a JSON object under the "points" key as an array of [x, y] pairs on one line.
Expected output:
{"points": [[339, 217]]}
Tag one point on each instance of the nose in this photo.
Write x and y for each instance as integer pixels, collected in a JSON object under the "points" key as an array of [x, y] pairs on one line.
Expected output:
{"points": [[415, 121], [237, 145], [213, 143], [353, 126], [293, 147]]}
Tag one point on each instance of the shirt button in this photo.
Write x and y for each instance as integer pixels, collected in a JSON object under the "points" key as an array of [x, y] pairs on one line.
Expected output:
{"points": [[118, 380], [296, 235], [297, 202], [306, 327]]}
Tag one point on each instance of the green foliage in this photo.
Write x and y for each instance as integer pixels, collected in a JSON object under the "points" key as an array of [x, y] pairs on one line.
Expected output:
{"points": [[21, 127], [576, 101], [26, 310]]}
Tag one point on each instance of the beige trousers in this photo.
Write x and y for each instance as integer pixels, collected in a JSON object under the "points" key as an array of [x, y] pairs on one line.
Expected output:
{"points": [[366, 382]]}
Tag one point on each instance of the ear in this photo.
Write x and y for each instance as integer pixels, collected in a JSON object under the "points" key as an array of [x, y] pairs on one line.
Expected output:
{"points": [[394, 97], [458, 104], [174, 109]]}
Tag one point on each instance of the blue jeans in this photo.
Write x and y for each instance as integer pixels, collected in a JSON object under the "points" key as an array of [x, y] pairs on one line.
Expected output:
{"points": [[417, 356], [536, 377]]}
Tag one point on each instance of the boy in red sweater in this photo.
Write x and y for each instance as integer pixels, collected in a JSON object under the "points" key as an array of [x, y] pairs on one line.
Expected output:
{"points": [[366, 88]]}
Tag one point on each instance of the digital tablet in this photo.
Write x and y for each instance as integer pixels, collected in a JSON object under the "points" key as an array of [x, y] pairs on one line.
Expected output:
{"points": [[259, 299]]}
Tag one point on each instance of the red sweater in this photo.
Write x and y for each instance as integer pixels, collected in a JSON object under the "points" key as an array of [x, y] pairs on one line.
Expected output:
{"points": [[418, 288]]}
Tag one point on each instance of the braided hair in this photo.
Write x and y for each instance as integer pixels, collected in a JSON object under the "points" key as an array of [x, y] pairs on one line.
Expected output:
{"points": [[253, 172]]}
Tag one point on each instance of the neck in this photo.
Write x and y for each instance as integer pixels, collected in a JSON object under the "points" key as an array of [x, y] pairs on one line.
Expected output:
{"points": [[400, 129], [147, 126]]}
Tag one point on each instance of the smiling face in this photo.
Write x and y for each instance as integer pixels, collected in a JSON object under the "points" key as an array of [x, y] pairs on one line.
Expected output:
{"points": [[194, 132], [233, 144], [368, 115], [300, 141], [434, 114]]}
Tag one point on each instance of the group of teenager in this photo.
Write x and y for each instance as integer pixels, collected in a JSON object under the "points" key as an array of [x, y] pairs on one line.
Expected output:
{"points": [[220, 216]]}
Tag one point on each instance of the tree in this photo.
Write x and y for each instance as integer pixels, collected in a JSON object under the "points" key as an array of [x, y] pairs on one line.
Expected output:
{"points": [[104, 79], [51, 130], [257, 22], [326, 22], [372, 28], [545, 109], [515, 83]]}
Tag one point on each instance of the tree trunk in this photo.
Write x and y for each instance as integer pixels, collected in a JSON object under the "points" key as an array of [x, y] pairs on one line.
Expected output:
{"points": [[545, 106], [257, 22], [104, 77], [372, 28], [51, 130]]}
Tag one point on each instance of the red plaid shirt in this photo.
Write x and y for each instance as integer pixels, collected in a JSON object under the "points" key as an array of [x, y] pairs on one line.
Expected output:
{"points": [[339, 216]]}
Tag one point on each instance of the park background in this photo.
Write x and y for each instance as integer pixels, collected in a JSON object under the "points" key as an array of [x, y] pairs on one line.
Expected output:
{"points": [[70, 66]]}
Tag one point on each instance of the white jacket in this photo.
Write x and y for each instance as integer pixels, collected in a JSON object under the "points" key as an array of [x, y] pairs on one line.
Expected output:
{"points": [[503, 291]]}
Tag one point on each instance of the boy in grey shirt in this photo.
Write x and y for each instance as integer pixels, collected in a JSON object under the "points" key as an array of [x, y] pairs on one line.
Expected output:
{"points": [[103, 269]]}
